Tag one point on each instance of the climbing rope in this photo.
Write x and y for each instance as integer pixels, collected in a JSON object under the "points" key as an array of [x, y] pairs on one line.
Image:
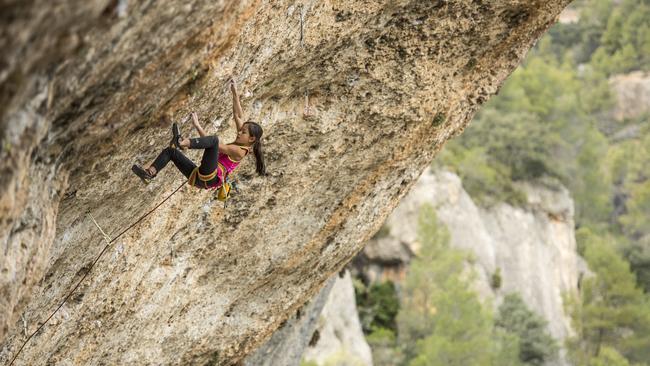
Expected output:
{"points": [[109, 242]]}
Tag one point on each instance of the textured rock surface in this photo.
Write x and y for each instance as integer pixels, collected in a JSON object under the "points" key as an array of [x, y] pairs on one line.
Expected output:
{"points": [[341, 340], [288, 344], [533, 248], [82, 87]]}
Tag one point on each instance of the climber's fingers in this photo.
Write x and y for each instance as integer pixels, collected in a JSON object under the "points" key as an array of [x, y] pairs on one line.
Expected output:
{"points": [[233, 85]]}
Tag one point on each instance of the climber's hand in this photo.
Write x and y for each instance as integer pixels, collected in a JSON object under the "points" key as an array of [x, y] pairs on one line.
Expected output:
{"points": [[233, 86], [195, 122]]}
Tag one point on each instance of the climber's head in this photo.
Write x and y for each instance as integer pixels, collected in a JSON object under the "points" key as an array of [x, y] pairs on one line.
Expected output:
{"points": [[251, 135]]}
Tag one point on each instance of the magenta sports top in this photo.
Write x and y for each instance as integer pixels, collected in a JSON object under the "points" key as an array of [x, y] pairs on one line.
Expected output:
{"points": [[227, 165]]}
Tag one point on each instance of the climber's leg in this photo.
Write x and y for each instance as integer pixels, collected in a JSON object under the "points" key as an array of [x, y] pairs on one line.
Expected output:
{"points": [[210, 144], [182, 162]]}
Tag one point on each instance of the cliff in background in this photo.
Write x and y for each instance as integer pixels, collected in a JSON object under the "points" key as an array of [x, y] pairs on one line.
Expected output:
{"points": [[531, 249], [82, 87]]}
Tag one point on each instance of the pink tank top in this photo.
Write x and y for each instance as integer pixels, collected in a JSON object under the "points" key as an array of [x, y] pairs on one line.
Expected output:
{"points": [[226, 164]]}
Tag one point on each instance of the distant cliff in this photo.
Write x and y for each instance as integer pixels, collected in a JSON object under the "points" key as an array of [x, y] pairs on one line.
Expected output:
{"points": [[531, 249]]}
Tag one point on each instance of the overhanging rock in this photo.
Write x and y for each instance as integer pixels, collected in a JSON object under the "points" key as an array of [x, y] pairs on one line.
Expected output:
{"points": [[83, 87]]}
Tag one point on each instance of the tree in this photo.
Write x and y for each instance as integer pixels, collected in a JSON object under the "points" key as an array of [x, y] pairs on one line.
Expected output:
{"points": [[611, 311], [442, 321], [536, 346], [625, 40], [609, 357], [377, 305]]}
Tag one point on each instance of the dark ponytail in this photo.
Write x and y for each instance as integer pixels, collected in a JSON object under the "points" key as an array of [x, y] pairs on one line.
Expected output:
{"points": [[255, 130]]}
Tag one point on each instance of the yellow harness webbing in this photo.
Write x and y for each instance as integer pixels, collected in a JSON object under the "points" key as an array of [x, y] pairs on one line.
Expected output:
{"points": [[205, 178]]}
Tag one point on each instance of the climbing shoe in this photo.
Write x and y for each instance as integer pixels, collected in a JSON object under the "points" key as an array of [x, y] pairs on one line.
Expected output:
{"points": [[143, 174], [176, 137]]}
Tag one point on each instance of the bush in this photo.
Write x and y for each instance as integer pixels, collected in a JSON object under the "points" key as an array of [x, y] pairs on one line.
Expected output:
{"points": [[377, 306], [536, 346], [495, 279]]}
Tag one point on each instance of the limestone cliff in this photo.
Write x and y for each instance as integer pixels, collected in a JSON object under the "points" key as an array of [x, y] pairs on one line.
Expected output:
{"points": [[288, 344], [532, 248], [82, 87], [339, 339]]}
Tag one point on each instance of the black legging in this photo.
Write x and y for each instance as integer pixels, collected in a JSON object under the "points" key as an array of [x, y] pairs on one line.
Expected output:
{"points": [[186, 166]]}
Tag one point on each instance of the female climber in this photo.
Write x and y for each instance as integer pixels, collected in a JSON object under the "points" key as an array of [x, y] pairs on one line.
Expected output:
{"points": [[218, 160]]}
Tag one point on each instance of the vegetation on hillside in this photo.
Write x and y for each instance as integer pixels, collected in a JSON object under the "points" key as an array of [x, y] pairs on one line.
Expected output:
{"points": [[441, 320], [552, 122]]}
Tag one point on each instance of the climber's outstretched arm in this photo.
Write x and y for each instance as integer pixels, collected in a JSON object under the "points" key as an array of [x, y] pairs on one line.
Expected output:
{"points": [[237, 112], [195, 122]]}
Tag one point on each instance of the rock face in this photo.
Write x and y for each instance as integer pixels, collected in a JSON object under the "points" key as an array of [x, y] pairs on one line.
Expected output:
{"points": [[532, 248], [288, 344], [82, 87], [631, 92], [340, 338]]}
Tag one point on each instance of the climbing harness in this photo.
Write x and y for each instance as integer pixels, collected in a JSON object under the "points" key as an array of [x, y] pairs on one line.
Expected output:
{"points": [[109, 241], [223, 189], [205, 178]]}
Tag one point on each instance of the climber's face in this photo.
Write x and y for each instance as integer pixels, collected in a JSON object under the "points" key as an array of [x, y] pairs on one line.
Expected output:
{"points": [[244, 135]]}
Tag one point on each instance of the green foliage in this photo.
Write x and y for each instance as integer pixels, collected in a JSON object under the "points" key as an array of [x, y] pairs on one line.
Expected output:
{"points": [[343, 357], [590, 184], [536, 346], [539, 125], [625, 40], [462, 332], [495, 279], [381, 336], [611, 311], [385, 350], [505, 348], [609, 357], [485, 181], [628, 163], [552, 118], [636, 182], [638, 255], [422, 283], [438, 119], [377, 305], [441, 321], [635, 221]]}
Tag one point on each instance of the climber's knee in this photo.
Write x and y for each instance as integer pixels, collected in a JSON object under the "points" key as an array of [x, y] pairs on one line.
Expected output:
{"points": [[214, 140]]}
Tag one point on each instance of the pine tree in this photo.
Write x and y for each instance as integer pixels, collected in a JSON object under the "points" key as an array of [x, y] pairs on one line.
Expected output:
{"points": [[612, 310], [536, 346], [441, 320]]}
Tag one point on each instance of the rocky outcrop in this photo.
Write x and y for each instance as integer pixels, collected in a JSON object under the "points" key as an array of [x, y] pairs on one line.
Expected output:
{"points": [[631, 94], [531, 250], [327, 331], [288, 344], [82, 87], [340, 340]]}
